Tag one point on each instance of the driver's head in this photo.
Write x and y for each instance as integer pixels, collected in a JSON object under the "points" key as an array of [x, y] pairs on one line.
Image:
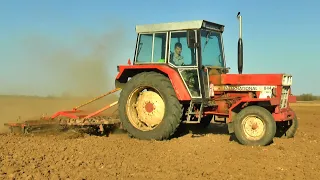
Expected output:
{"points": [[178, 48]]}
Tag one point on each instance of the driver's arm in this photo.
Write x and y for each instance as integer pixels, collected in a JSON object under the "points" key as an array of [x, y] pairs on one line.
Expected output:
{"points": [[178, 61]]}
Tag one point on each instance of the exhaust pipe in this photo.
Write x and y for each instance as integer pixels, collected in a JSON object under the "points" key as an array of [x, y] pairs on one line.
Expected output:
{"points": [[240, 45]]}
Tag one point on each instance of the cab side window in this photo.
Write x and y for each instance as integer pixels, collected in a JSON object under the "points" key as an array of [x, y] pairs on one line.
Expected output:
{"points": [[180, 54], [151, 48], [211, 49]]}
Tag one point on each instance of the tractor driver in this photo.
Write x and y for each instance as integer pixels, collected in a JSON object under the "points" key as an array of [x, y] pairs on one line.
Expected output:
{"points": [[188, 76], [177, 58]]}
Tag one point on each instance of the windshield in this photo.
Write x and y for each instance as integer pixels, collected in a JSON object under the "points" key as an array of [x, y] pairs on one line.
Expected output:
{"points": [[211, 48]]}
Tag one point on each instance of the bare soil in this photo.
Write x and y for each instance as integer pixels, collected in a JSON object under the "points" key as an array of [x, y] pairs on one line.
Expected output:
{"points": [[198, 155]]}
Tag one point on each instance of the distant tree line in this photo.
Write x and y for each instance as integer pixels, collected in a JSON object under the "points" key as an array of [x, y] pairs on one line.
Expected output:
{"points": [[307, 97]]}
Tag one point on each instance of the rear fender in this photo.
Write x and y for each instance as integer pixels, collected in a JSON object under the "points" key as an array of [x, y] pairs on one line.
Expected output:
{"points": [[127, 71]]}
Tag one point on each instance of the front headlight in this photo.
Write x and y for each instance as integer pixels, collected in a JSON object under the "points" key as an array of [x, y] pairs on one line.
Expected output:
{"points": [[286, 80]]}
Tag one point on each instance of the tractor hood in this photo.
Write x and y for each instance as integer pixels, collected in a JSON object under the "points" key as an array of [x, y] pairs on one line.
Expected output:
{"points": [[252, 79]]}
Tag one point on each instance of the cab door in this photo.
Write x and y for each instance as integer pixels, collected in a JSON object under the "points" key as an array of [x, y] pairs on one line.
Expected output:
{"points": [[185, 58], [211, 58]]}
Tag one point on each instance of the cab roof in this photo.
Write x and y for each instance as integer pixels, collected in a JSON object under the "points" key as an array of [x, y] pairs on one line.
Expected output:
{"points": [[185, 25]]}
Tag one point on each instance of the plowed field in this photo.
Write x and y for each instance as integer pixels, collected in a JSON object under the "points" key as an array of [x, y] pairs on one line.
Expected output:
{"points": [[198, 155]]}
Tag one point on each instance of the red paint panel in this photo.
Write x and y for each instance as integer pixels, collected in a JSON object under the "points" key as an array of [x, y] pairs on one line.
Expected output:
{"points": [[247, 79], [283, 116], [176, 81], [292, 99], [65, 114]]}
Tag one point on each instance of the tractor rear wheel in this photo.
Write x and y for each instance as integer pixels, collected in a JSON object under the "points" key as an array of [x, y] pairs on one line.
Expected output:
{"points": [[254, 126], [149, 108]]}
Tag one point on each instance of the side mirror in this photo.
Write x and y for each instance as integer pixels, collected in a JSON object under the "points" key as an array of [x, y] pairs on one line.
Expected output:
{"points": [[191, 38]]}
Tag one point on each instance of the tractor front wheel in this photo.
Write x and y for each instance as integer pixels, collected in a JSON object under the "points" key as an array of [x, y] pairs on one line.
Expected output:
{"points": [[287, 129], [149, 108], [254, 126], [205, 121]]}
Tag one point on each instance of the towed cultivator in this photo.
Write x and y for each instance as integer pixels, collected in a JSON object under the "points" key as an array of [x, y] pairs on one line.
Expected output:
{"points": [[179, 75], [74, 117]]}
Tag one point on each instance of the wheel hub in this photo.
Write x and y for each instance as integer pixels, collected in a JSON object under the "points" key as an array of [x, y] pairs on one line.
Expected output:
{"points": [[150, 108], [253, 127]]}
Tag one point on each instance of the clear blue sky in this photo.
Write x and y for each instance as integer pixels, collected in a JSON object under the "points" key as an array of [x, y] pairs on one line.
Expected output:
{"points": [[40, 41]]}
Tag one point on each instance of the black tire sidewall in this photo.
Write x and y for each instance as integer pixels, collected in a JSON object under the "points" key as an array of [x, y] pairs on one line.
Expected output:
{"points": [[206, 121], [265, 116], [172, 114], [290, 133]]}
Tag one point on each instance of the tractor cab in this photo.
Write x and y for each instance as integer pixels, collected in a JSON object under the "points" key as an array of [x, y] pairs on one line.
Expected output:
{"points": [[192, 48]]}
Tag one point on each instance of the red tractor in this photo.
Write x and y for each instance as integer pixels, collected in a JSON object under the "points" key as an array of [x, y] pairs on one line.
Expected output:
{"points": [[179, 75]]}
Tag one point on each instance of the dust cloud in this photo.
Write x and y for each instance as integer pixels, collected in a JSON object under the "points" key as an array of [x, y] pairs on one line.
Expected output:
{"points": [[83, 68]]}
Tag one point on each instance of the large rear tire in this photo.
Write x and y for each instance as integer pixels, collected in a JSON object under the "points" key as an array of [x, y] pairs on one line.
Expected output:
{"points": [[152, 114], [254, 126]]}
